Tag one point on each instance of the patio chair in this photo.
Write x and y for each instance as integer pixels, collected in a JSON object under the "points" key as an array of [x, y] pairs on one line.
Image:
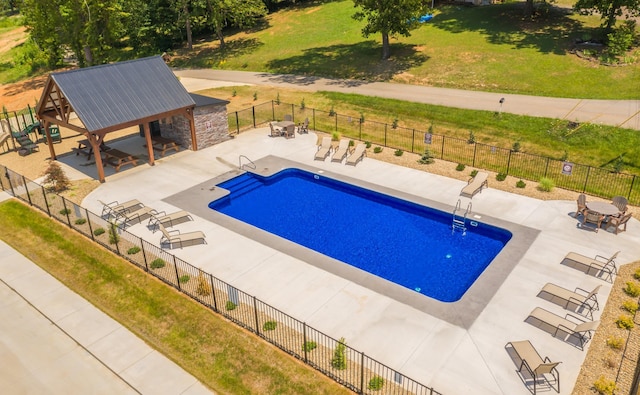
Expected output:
{"points": [[288, 117], [599, 264], [26, 144], [112, 209], [569, 325], [172, 237], [357, 154], [323, 149], [341, 152], [475, 184], [290, 131], [304, 126], [621, 203], [539, 369], [592, 217], [618, 222], [275, 132], [168, 220], [582, 205], [578, 300]]}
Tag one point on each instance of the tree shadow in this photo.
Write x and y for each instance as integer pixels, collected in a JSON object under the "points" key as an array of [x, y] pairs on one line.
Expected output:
{"points": [[360, 61], [501, 24], [204, 55]]}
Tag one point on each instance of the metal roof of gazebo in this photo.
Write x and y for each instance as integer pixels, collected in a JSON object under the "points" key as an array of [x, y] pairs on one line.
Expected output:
{"points": [[112, 97]]}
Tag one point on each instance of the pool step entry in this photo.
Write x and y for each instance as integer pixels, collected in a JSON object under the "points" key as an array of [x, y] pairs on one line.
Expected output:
{"points": [[459, 221], [243, 185]]}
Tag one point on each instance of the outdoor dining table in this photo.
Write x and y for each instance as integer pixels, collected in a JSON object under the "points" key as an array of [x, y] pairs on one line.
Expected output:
{"points": [[603, 208], [284, 124], [288, 128]]}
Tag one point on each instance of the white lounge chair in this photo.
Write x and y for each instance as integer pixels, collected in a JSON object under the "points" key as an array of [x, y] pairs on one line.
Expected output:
{"points": [[357, 154], [578, 300], [537, 367], [172, 237], [599, 265], [475, 185], [323, 149], [341, 152], [570, 325], [168, 220]]}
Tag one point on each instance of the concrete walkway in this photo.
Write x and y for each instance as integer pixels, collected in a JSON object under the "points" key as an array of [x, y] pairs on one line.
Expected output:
{"points": [[55, 342], [623, 113]]}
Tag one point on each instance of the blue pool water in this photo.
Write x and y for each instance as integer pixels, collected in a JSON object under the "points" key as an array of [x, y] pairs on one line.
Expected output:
{"points": [[403, 242]]}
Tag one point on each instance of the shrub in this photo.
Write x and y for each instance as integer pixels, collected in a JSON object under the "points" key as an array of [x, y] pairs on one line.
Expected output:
{"points": [[302, 104], [339, 360], [394, 125], [98, 231], [332, 112], [204, 288], [625, 322], [269, 326], [184, 278], [133, 250], [80, 221], [516, 147], [636, 275], [474, 173], [621, 39], [501, 176], [520, 184], [604, 386], [367, 144], [377, 150], [472, 138], [427, 157], [376, 383], [632, 289], [234, 93], [460, 167], [615, 342], [230, 305], [65, 211], [309, 346], [255, 96], [157, 263], [630, 306], [55, 179], [335, 136], [398, 152], [278, 99], [114, 237], [361, 117], [546, 184]]}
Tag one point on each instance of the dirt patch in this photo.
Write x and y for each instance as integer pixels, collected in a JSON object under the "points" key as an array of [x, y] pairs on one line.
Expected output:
{"points": [[17, 96], [12, 39]]}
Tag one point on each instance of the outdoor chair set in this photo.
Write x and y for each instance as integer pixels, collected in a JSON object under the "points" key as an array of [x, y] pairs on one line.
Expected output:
{"points": [[573, 329], [133, 212], [602, 214], [341, 151], [287, 128]]}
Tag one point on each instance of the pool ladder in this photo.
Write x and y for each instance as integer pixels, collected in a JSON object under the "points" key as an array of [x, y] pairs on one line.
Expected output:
{"points": [[250, 165], [460, 221]]}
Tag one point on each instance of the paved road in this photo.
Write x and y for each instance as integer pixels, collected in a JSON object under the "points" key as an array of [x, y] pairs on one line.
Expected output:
{"points": [[624, 113]]}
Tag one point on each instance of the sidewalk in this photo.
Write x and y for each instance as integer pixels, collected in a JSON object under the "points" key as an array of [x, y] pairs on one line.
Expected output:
{"points": [[622, 113], [55, 342]]}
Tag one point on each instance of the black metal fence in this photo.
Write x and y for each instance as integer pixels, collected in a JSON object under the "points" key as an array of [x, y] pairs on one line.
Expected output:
{"points": [[334, 358], [594, 181]]}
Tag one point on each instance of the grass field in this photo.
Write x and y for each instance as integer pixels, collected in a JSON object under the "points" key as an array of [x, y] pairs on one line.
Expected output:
{"points": [[479, 48], [221, 355]]}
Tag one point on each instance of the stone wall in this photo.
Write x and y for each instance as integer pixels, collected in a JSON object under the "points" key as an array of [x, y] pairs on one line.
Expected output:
{"points": [[210, 123]]}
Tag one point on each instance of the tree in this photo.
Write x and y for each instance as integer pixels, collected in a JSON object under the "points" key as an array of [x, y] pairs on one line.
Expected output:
{"points": [[240, 13], [609, 10], [389, 17]]}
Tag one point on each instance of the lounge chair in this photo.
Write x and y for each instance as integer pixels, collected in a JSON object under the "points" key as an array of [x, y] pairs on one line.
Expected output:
{"points": [[582, 205], [621, 203], [26, 144], [475, 185], [570, 325], [592, 217], [112, 209], [618, 222], [323, 149], [126, 217], [174, 236], [578, 300], [341, 152], [357, 154], [304, 127], [168, 220], [600, 264], [275, 132], [537, 367]]}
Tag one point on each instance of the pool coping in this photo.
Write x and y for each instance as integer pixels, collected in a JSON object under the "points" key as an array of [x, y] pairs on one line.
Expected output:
{"points": [[462, 313]]}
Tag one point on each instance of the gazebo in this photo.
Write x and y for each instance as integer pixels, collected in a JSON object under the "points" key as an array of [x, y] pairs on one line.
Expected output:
{"points": [[111, 97]]}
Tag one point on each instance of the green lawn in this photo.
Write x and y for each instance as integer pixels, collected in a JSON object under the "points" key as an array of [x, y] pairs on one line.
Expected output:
{"points": [[224, 357], [479, 48]]}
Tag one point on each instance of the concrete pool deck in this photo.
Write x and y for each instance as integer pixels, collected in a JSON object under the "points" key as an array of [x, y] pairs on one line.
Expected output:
{"points": [[448, 357]]}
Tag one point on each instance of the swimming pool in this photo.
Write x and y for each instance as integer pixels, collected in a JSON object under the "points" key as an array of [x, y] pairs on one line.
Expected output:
{"points": [[406, 243]]}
